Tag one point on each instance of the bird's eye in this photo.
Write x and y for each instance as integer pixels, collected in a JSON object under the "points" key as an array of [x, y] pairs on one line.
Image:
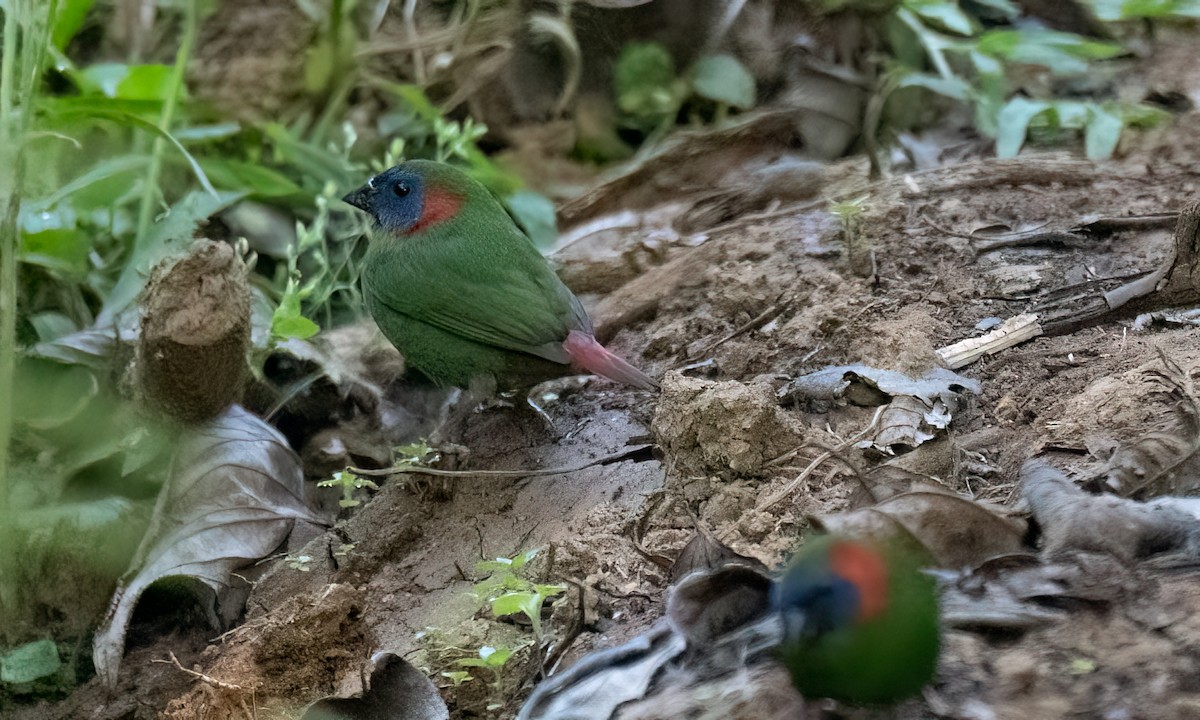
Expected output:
{"points": [[401, 189]]}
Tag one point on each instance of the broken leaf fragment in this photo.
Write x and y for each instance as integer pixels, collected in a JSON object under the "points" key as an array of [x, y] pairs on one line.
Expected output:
{"points": [[29, 662], [395, 691], [234, 491]]}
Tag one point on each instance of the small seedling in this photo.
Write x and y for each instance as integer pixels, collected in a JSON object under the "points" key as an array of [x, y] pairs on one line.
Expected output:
{"points": [[458, 677], [508, 592], [348, 482], [415, 454], [493, 659], [299, 562]]}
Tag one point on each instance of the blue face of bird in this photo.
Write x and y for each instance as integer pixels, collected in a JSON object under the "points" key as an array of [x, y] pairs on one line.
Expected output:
{"points": [[815, 603], [394, 198], [823, 593]]}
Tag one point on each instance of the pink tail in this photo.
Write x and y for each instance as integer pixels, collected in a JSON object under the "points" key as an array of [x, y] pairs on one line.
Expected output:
{"points": [[590, 355]]}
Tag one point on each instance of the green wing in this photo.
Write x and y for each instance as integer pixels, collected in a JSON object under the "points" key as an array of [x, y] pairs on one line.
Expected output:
{"points": [[491, 287]]}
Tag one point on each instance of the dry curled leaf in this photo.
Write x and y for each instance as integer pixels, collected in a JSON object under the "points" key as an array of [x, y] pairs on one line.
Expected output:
{"points": [[396, 691], [917, 410], [234, 491], [1161, 461], [715, 642], [955, 531]]}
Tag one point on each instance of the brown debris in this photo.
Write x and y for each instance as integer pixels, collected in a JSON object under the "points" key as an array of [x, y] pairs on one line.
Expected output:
{"points": [[191, 357]]}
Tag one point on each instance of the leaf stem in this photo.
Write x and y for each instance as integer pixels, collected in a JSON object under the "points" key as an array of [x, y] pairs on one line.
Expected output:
{"points": [[150, 189], [10, 156]]}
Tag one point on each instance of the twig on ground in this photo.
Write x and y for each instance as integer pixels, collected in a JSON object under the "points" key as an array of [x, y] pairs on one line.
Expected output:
{"points": [[516, 474], [250, 710]]}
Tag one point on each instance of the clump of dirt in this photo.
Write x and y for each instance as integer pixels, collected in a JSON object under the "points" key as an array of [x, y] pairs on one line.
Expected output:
{"points": [[191, 356], [903, 342], [721, 428], [294, 654]]}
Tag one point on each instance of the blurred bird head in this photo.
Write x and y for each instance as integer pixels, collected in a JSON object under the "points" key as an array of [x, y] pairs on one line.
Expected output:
{"points": [[826, 591]]}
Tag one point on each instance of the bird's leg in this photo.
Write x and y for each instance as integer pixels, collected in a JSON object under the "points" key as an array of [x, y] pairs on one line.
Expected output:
{"points": [[545, 394], [532, 400]]}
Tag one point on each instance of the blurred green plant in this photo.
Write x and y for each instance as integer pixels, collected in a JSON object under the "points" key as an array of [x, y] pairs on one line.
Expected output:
{"points": [[111, 167], [1114, 10], [990, 69], [493, 659], [348, 482], [650, 95]]}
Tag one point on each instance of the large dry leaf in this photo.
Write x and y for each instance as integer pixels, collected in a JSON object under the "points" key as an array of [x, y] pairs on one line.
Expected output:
{"points": [[1162, 460], [594, 687], [917, 410], [955, 531], [1073, 521], [1019, 592], [234, 491]]}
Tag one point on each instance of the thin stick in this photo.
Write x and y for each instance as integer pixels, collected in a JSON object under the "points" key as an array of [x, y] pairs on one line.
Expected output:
{"points": [[417, 470], [201, 676]]}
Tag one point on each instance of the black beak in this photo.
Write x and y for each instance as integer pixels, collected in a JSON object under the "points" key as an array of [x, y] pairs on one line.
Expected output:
{"points": [[360, 198]]}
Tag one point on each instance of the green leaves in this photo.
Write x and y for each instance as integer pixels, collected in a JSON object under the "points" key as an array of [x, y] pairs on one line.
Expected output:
{"points": [[650, 95], [288, 321], [68, 21], [1101, 124], [535, 215], [1111, 10], [989, 69], [944, 15], [125, 82], [723, 79], [1060, 53], [645, 83]]}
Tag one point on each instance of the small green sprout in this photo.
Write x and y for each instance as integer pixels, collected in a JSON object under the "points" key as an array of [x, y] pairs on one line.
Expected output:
{"points": [[348, 482], [299, 562]]}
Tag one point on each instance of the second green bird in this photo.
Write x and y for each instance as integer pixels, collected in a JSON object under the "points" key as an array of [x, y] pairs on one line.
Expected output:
{"points": [[462, 292]]}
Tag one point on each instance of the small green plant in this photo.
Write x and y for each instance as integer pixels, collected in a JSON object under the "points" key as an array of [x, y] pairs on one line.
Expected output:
{"points": [[457, 677], [414, 454], [492, 659], [303, 563], [507, 592], [849, 213], [348, 482]]}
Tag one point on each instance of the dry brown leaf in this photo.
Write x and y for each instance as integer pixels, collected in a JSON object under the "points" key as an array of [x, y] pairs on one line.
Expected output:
{"points": [[1073, 521], [396, 691], [955, 531]]}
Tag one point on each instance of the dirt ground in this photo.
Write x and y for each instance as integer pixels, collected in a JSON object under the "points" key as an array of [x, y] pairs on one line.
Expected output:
{"points": [[745, 304]]}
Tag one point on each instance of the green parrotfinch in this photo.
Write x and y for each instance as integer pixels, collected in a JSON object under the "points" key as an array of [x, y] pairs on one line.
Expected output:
{"points": [[860, 621], [462, 292]]}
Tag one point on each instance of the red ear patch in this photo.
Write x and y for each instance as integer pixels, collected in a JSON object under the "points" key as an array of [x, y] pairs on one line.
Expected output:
{"points": [[864, 568], [439, 205]]}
